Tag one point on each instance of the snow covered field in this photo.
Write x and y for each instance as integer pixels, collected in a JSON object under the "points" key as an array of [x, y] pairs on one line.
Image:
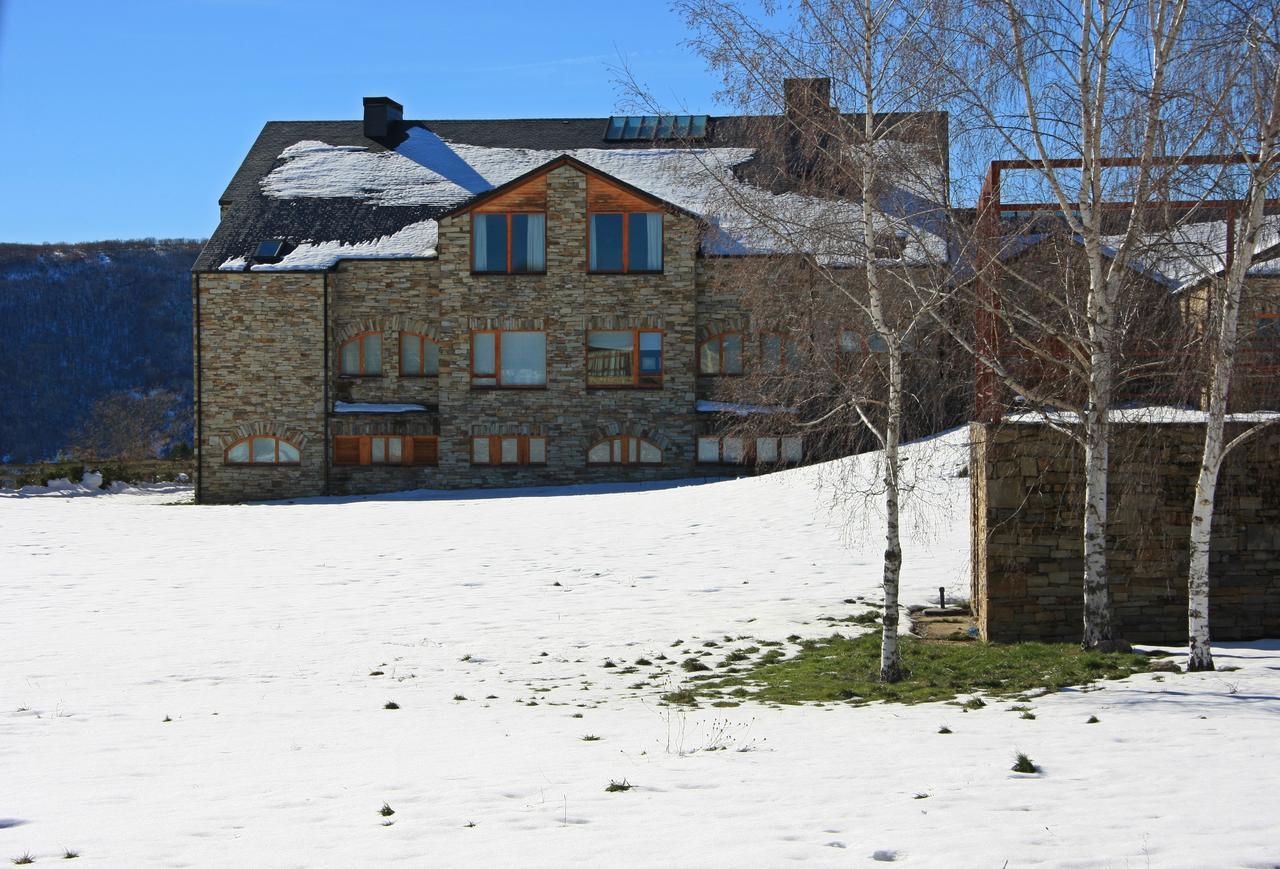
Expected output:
{"points": [[191, 686]]}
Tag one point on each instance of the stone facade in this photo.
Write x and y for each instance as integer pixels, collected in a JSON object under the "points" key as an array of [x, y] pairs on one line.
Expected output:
{"points": [[260, 371], [1027, 550], [263, 366]]}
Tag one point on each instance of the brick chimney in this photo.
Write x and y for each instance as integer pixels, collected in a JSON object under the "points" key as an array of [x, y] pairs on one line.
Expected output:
{"points": [[379, 114], [806, 97], [808, 123]]}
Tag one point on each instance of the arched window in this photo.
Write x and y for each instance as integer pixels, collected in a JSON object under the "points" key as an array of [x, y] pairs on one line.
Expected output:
{"points": [[721, 354], [361, 356], [262, 450], [624, 450], [419, 355]]}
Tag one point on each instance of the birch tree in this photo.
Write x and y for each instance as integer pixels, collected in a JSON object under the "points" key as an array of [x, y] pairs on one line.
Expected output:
{"points": [[1065, 87], [1252, 47], [853, 198]]}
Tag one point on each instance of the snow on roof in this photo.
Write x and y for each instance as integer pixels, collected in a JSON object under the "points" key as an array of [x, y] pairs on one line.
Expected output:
{"points": [[426, 170], [1191, 252], [415, 240], [1160, 415], [365, 407], [704, 406]]}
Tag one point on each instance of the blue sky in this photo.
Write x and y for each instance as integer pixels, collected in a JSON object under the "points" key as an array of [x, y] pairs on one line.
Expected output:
{"points": [[126, 119]]}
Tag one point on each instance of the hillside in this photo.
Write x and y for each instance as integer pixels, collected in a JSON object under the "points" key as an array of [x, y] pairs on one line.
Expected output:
{"points": [[83, 320], [217, 696]]}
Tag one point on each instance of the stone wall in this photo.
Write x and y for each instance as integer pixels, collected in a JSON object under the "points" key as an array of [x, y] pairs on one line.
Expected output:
{"points": [[261, 371], [1027, 551], [566, 302], [263, 362]]}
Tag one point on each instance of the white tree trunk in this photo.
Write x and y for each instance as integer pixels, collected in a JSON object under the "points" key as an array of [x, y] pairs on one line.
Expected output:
{"points": [[890, 659], [1097, 627], [1097, 594]]}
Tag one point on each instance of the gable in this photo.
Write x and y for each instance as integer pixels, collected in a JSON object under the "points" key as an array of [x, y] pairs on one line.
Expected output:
{"points": [[604, 195], [529, 195]]}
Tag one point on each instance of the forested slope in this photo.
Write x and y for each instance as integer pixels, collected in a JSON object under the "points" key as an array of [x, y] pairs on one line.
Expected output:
{"points": [[80, 321]]}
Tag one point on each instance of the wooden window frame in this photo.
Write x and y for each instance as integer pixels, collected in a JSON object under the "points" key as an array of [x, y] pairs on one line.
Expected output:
{"points": [[635, 360], [864, 343], [359, 339], [638, 441], [495, 449], [719, 337], [1272, 335], [508, 214], [275, 463], [497, 361], [785, 341], [423, 340], [407, 451], [626, 245], [749, 458]]}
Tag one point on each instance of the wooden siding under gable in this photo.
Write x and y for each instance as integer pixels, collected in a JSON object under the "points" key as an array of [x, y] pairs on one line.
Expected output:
{"points": [[605, 196], [529, 196]]}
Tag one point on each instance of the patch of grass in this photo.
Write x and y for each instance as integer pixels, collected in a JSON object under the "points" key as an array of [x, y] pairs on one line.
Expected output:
{"points": [[376, 673], [591, 737], [608, 664], [920, 797], [643, 662], [944, 729], [847, 669], [1022, 763], [391, 704], [1093, 719], [693, 665], [386, 811], [459, 697], [1028, 715], [683, 697], [23, 860], [736, 655], [68, 854], [618, 786], [866, 618]]}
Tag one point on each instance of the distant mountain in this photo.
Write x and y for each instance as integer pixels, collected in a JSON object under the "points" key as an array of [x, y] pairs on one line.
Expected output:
{"points": [[79, 321]]}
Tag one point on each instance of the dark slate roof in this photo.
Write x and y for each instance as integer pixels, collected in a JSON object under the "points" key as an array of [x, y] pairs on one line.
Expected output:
{"points": [[249, 216]]}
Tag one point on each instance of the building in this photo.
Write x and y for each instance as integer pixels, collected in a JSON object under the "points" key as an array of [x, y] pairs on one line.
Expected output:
{"points": [[390, 304]]}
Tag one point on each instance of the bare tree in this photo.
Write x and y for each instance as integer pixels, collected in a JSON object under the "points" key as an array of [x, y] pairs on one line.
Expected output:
{"points": [[1251, 47], [846, 214], [1064, 88], [132, 426]]}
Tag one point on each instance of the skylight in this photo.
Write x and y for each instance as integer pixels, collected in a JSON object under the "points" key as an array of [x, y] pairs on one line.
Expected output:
{"points": [[269, 251], [635, 128]]}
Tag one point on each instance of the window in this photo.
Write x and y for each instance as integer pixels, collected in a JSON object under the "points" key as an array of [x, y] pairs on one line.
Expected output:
{"points": [[626, 242], [624, 128], [717, 450], [721, 354], [514, 244], [854, 342], [386, 450], [508, 359], [419, 356], [624, 450], [262, 450], [777, 352], [1269, 327], [361, 356], [631, 357], [509, 450]]}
